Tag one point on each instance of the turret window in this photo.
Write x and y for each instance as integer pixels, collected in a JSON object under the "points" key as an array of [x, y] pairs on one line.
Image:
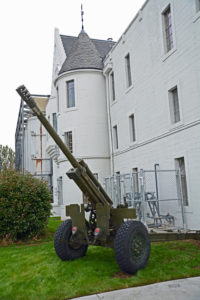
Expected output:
{"points": [[55, 126], [70, 94]]}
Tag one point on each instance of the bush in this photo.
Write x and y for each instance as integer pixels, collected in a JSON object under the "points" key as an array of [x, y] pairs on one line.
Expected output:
{"points": [[24, 205]]}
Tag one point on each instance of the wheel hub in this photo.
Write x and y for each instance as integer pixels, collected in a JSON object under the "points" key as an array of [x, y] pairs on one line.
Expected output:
{"points": [[138, 247]]}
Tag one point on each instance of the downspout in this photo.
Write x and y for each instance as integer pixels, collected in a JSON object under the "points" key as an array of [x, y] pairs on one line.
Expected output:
{"points": [[109, 124], [22, 102]]}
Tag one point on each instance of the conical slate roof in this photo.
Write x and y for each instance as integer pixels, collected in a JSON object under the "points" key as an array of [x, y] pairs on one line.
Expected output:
{"points": [[83, 55]]}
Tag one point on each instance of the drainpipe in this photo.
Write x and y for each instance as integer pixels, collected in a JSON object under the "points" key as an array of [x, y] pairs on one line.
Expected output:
{"points": [[182, 202], [109, 123], [22, 107], [156, 178]]}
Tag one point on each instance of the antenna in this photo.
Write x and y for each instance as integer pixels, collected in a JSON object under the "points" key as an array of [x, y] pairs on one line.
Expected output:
{"points": [[82, 13]]}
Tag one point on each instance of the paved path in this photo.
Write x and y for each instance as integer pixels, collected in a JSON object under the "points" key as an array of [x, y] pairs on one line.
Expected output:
{"points": [[181, 289]]}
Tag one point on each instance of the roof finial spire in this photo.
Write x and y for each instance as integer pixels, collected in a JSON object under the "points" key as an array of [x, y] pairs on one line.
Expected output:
{"points": [[82, 13]]}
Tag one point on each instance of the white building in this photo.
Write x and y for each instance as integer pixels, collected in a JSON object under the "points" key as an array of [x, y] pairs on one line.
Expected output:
{"points": [[77, 110], [131, 105]]}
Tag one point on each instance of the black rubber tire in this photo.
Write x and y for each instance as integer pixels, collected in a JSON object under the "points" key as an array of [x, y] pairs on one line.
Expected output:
{"points": [[61, 243], [132, 246]]}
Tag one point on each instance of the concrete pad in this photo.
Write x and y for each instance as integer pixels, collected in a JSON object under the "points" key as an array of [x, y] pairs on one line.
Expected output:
{"points": [[181, 289]]}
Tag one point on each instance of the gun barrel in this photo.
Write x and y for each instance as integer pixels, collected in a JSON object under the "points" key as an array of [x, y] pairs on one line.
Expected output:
{"points": [[26, 96], [84, 177]]}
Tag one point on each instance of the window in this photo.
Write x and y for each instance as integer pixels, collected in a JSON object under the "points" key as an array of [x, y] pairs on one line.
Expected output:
{"points": [[60, 190], [96, 175], [57, 97], [168, 34], [112, 86], [68, 140], [132, 128], [55, 121], [135, 182], [174, 105], [70, 94], [118, 187], [197, 5], [115, 137], [180, 164], [128, 70]]}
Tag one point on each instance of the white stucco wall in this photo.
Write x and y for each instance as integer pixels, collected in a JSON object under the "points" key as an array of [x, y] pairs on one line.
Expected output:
{"points": [[88, 123]]}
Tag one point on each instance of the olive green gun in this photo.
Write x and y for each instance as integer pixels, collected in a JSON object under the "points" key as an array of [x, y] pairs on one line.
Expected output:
{"points": [[106, 225]]}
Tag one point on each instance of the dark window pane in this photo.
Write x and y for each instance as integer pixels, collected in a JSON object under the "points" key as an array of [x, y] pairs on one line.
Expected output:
{"points": [[55, 121], [70, 94]]}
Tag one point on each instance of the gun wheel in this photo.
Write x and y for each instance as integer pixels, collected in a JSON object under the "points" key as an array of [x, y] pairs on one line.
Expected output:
{"points": [[63, 248], [132, 246]]}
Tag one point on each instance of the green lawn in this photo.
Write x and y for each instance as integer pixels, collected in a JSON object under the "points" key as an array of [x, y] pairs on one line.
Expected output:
{"points": [[35, 272]]}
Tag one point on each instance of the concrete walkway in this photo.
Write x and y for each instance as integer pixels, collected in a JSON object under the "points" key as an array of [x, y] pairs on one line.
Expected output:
{"points": [[181, 289]]}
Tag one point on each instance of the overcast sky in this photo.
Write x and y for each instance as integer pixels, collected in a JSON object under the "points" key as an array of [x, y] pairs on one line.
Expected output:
{"points": [[27, 40]]}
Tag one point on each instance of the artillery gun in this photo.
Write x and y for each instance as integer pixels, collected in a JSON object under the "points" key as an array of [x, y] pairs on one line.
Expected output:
{"points": [[106, 226]]}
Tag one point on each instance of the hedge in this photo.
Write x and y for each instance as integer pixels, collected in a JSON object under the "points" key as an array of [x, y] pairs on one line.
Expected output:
{"points": [[25, 205]]}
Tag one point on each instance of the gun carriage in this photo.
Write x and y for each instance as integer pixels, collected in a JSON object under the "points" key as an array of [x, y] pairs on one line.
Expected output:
{"points": [[106, 225]]}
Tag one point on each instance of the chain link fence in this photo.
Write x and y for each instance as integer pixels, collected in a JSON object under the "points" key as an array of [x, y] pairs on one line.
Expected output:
{"points": [[157, 196]]}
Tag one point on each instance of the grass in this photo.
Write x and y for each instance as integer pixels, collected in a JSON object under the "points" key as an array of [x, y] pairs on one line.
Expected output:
{"points": [[35, 272]]}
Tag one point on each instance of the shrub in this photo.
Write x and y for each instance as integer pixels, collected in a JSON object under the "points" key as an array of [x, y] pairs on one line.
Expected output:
{"points": [[24, 205]]}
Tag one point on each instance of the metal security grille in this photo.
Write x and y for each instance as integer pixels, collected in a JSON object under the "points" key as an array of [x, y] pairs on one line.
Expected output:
{"points": [[157, 196]]}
